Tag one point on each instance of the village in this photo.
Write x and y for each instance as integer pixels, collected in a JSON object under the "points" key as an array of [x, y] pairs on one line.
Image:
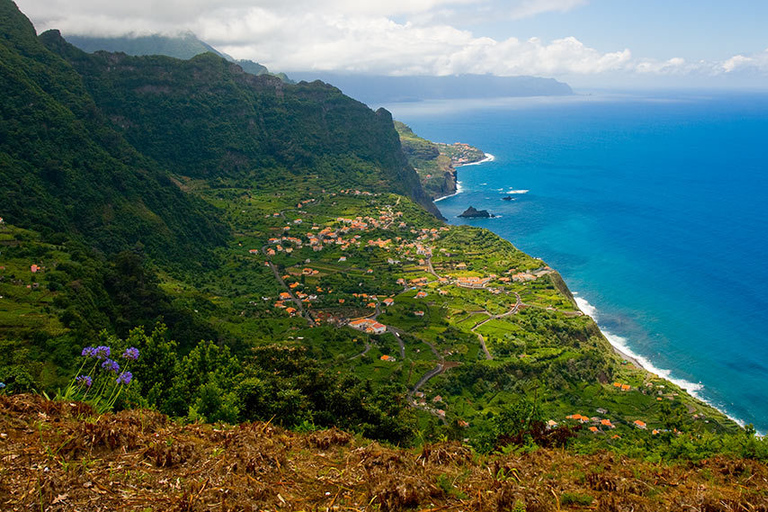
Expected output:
{"points": [[407, 272], [411, 301]]}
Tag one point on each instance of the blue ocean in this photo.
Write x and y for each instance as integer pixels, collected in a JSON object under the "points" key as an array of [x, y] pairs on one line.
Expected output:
{"points": [[652, 206]]}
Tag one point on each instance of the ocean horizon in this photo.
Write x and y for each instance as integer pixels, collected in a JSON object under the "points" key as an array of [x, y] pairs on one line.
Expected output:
{"points": [[651, 207]]}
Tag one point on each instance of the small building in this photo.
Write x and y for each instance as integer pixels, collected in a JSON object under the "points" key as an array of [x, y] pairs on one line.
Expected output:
{"points": [[389, 301], [368, 325], [640, 424], [418, 313]]}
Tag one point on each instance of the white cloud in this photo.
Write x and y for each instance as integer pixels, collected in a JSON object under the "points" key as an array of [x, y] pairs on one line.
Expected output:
{"points": [[529, 8], [380, 45], [363, 36], [743, 63]]}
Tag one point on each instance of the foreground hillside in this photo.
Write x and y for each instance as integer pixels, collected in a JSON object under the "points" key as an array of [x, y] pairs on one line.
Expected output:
{"points": [[59, 456], [267, 253]]}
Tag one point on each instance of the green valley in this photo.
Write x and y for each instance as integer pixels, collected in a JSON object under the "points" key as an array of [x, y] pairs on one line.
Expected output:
{"points": [[273, 252]]}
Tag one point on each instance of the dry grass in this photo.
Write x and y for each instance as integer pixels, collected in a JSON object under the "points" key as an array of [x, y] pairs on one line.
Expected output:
{"points": [[58, 456]]}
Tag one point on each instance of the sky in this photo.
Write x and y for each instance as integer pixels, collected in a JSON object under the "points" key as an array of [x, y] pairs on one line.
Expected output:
{"points": [[589, 43]]}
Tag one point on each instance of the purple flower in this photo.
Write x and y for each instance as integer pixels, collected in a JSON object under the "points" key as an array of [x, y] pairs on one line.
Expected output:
{"points": [[84, 380], [131, 353], [89, 352], [124, 378], [102, 352], [110, 365]]}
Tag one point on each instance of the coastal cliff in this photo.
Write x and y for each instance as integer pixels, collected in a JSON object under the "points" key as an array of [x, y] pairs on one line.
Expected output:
{"points": [[436, 162]]}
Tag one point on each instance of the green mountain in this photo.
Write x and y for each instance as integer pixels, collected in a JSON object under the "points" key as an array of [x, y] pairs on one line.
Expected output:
{"points": [[66, 170], [206, 118], [184, 46], [273, 256]]}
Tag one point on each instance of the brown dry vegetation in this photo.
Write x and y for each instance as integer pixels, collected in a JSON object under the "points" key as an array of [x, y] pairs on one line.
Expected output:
{"points": [[57, 456]]}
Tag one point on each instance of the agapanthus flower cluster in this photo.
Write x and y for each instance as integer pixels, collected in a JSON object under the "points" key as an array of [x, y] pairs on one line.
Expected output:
{"points": [[95, 385], [100, 352], [110, 365], [131, 353], [84, 380]]}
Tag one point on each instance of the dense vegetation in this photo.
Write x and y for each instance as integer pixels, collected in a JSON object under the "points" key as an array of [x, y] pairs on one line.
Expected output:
{"points": [[232, 228]]}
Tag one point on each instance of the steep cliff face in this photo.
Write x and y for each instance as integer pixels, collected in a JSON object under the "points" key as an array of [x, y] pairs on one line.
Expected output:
{"points": [[206, 118], [65, 170]]}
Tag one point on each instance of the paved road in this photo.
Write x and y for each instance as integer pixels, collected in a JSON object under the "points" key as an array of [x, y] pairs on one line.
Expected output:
{"points": [[299, 305], [399, 335]]}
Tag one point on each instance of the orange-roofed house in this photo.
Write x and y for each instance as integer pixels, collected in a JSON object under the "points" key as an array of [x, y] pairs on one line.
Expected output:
{"points": [[385, 357], [253, 251], [593, 429], [625, 387], [640, 424], [341, 301], [371, 305], [291, 311], [377, 328], [418, 313], [607, 423], [34, 268], [388, 301], [285, 295], [421, 295], [617, 384]]}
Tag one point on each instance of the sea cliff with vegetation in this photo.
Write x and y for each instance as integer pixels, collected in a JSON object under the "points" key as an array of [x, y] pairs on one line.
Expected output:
{"points": [[436, 162], [233, 265]]}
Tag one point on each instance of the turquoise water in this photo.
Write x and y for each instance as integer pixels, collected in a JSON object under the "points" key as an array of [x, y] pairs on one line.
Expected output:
{"points": [[654, 208]]}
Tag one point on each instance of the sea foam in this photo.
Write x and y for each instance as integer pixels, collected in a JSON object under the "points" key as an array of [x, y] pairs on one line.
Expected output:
{"points": [[620, 343], [459, 190], [488, 158]]}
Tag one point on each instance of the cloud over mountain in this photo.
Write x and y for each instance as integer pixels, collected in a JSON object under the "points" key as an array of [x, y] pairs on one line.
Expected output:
{"points": [[398, 37]]}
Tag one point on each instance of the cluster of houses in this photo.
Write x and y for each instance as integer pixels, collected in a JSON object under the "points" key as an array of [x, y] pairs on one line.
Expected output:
{"points": [[473, 282], [597, 424], [420, 400], [525, 277], [601, 425]]}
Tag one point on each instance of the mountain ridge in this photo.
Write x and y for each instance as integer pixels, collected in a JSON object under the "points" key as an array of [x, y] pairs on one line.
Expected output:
{"points": [[384, 89]]}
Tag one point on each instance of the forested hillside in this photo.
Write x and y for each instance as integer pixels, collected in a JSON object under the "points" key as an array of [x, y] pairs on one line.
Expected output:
{"points": [[221, 247]]}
